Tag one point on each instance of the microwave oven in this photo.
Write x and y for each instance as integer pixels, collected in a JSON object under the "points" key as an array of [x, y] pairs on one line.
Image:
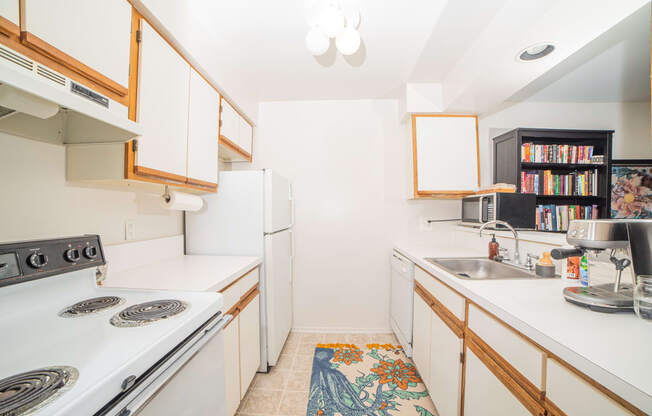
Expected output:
{"points": [[516, 209]]}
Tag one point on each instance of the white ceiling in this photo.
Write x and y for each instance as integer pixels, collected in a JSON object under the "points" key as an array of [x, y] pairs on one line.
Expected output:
{"points": [[254, 49], [615, 67]]}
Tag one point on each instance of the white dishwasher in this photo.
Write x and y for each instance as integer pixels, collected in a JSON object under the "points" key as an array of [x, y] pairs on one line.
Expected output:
{"points": [[402, 294]]}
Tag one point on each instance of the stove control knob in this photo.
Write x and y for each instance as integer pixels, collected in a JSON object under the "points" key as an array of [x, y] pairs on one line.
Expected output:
{"points": [[72, 255], [37, 260], [90, 252]]}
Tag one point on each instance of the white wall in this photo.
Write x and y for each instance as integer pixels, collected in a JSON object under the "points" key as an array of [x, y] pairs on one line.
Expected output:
{"points": [[38, 203], [348, 161], [631, 122]]}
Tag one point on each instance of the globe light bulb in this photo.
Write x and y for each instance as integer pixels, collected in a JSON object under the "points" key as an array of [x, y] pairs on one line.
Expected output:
{"points": [[348, 42], [316, 42], [331, 21]]}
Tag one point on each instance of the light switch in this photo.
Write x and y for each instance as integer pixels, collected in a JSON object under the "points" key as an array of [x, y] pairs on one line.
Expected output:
{"points": [[130, 230]]}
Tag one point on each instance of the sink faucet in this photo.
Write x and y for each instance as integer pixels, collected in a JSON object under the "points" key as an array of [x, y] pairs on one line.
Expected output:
{"points": [[517, 256]]}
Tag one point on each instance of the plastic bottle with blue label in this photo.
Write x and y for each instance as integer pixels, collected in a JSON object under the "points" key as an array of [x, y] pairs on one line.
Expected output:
{"points": [[584, 270]]}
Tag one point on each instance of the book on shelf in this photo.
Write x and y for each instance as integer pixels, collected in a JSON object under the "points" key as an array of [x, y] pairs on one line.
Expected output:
{"points": [[557, 217], [544, 182], [556, 153]]}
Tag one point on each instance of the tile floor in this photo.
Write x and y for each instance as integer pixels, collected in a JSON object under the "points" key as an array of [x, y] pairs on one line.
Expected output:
{"points": [[284, 390]]}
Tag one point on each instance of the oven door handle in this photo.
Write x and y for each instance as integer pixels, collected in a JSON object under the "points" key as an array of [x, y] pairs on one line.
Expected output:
{"points": [[144, 397]]}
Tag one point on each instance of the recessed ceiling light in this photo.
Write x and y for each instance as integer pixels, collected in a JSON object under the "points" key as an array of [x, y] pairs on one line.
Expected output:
{"points": [[535, 52]]}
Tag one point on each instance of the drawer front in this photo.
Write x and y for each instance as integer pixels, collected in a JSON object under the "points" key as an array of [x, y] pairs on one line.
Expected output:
{"points": [[237, 290], [576, 396], [451, 300], [522, 355]]}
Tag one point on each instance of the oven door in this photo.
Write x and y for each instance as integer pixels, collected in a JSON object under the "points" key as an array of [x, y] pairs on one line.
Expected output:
{"points": [[188, 381]]}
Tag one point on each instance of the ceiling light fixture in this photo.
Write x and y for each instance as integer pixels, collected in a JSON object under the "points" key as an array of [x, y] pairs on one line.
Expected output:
{"points": [[535, 52], [333, 23]]}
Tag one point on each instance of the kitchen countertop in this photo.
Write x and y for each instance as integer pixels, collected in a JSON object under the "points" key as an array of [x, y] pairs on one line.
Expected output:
{"points": [[613, 349], [194, 273]]}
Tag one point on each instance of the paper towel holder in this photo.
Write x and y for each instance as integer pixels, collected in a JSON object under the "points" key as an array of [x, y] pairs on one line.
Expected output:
{"points": [[166, 195]]}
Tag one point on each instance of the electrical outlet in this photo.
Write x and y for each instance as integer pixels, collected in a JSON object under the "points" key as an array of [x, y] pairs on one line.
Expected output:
{"points": [[130, 230]]}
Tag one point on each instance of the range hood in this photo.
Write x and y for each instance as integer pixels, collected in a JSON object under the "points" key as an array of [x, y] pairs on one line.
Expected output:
{"points": [[41, 104]]}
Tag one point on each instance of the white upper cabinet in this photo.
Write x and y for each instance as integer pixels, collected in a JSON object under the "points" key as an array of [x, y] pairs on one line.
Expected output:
{"points": [[238, 132], [445, 155], [10, 11], [163, 90], [246, 132], [230, 123], [203, 125], [93, 32]]}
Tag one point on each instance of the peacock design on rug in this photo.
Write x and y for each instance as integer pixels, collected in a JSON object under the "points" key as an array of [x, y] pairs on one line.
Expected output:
{"points": [[384, 389]]}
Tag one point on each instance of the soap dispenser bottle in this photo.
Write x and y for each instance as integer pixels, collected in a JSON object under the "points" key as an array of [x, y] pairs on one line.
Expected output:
{"points": [[493, 247]]}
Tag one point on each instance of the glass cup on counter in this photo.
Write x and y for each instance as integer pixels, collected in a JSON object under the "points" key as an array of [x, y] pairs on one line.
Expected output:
{"points": [[643, 297]]}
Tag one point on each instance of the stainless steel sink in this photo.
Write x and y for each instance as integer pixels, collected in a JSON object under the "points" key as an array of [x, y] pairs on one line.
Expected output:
{"points": [[478, 268]]}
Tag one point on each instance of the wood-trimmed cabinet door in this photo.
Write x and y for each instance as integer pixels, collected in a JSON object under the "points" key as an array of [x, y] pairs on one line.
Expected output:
{"points": [[163, 91], [249, 343], [232, 365], [445, 368], [89, 37], [421, 338], [245, 135], [230, 129], [203, 127]]}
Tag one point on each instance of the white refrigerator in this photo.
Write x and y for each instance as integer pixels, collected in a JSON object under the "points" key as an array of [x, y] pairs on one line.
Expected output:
{"points": [[251, 215]]}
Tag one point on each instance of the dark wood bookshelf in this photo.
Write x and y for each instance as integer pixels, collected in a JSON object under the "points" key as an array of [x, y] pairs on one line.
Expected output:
{"points": [[507, 164]]}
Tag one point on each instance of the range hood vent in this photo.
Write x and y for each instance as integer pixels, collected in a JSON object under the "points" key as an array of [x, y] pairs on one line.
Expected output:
{"points": [[39, 103]]}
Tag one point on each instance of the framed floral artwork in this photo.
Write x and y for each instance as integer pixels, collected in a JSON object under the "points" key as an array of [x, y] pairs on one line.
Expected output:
{"points": [[631, 188]]}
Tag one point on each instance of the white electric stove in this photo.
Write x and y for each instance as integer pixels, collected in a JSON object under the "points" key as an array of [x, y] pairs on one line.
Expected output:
{"points": [[69, 347]]}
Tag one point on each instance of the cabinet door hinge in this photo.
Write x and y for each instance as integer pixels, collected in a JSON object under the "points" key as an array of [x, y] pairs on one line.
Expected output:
{"points": [[139, 36], [461, 357], [134, 145]]}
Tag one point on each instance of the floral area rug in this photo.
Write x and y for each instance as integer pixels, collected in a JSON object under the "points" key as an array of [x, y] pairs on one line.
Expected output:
{"points": [[378, 380]]}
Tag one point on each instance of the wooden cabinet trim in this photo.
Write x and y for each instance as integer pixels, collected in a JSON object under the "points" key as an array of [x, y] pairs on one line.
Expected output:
{"points": [[442, 312], [453, 194], [250, 297], [8, 28], [228, 143], [509, 382], [552, 409], [526, 384], [134, 58], [159, 174], [209, 186]]}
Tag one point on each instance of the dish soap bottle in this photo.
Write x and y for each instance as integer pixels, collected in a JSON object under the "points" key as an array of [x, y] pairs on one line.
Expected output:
{"points": [[584, 270], [493, 247]]}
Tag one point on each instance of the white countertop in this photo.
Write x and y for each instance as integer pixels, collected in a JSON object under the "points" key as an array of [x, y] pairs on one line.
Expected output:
{"points": [[613, 349], [190, 273]]}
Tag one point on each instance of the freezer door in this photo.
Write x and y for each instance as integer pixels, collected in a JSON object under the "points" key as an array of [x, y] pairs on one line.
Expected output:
{"points": [[278, 202], [278, 291]]}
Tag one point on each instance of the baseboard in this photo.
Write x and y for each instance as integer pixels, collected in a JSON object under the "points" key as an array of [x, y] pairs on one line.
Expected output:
{"points": [[331, 330]]}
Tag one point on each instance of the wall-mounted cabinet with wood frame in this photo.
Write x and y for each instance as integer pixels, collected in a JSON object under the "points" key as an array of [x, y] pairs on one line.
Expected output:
{"points": [[85, 40], [236, 134], [475, 364], [179, 112], [445, 156]]}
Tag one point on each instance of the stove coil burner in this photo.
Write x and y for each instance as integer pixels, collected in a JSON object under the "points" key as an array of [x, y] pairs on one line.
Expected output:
{"points": [[148, 312], [24, 393], [92, 305]]}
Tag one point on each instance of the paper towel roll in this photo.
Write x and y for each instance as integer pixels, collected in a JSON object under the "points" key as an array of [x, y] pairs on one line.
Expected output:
{"points": [[182, 202]]}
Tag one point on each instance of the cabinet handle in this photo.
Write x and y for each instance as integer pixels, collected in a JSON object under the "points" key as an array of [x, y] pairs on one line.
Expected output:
{"points": [[397, 257]]}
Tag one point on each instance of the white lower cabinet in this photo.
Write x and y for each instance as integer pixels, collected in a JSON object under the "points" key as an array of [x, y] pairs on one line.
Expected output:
{"points": [[249, 343], [232, 366], [485, 395], [577, 397], [421, 338], [445, 368]]}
